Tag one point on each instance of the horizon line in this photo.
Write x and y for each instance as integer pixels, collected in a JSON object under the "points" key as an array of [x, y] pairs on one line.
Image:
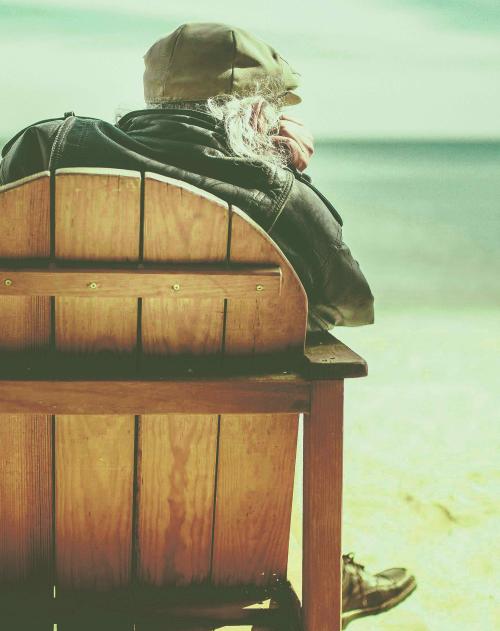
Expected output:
{"points": [[319, 139]]}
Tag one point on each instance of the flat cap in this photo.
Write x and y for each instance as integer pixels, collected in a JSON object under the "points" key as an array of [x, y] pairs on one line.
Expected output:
{"points": [[202, 60]]}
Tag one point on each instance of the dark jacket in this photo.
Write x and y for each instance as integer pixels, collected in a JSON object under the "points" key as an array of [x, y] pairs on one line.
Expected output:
{"points": [[190, 145]]}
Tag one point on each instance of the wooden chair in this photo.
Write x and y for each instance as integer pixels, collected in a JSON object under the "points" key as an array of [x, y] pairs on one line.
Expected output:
{"points": [[152, 374]]}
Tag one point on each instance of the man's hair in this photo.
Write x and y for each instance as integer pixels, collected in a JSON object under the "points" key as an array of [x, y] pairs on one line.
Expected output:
{"points": [[244, 136]]}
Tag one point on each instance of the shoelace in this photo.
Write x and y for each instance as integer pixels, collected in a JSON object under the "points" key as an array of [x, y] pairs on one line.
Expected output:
{"points": [[349, 560], [356, 569]]}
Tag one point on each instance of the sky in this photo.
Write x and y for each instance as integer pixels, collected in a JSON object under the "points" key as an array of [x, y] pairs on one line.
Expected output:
{"points": [[369, 68]]}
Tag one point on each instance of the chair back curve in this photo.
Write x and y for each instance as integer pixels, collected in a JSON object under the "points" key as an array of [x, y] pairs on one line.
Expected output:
{"points": [[123, 270]]}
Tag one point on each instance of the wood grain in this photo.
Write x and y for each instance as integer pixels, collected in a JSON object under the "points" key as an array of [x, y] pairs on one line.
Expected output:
{"points": [[97, 219], [181, 226], [322, 518], [175, 502], [274, 325], [25, 440], [94, 481], [25, 233], [257, 453], [25, 219], [93, 326], [94, 487], [264, 395], [175, 282], [26, 501], [254, 496], [326, 357], [97, 216]]}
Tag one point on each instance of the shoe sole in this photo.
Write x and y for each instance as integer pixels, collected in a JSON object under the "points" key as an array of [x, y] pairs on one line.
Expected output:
{"points": [[349, 616]]}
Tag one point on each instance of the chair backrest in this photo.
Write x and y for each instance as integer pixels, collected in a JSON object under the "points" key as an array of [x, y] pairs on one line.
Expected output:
{"points": [[99, 502]]}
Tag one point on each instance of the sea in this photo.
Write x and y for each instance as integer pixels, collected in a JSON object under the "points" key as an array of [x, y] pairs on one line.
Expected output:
{"points": [[422, 218]]}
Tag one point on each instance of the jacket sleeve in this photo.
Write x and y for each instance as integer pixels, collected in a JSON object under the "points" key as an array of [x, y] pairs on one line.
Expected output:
{"points": [[310, 235], [29, 151], [344, 297]]}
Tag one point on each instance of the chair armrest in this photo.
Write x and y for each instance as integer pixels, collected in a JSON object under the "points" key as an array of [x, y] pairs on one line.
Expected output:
{"points": [[325, 357]]}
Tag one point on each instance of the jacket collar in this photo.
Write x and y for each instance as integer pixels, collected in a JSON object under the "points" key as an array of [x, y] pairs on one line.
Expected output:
{"points": [[176, 124]]}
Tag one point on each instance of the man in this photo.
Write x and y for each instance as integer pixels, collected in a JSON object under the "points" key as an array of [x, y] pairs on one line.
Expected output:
{"points": [[214, 118]]}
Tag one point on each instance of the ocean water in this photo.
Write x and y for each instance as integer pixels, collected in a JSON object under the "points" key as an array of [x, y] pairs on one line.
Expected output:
{"points": [[423, 218]]}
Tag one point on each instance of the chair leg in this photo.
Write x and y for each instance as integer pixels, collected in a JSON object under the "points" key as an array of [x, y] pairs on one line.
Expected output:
{"points": [[322, 513]]}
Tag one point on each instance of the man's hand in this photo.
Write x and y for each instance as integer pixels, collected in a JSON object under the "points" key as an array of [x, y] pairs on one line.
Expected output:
{"points": [[297, 140]]}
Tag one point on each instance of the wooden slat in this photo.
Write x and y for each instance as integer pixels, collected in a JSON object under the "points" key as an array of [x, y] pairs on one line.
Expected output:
{"points": [[176, 487], [25, 517], [94, 460], [176, 222], [179, 282], [25, 497], [25, 233], [25, 218], [182, 226], [25, 440], [322, 535], [254, 496], [274, 325], [257, 453], [97, 219], [93, 325], [178, 453], [97, 216], [266, 394], [325, 357]]}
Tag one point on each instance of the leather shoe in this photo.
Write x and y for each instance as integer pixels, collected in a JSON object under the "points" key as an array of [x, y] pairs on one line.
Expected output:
{"points": [[365, 594]]}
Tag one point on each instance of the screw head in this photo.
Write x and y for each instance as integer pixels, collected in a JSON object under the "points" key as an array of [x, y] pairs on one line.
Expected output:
{"points": [[7, 282], [176, 286], [259, 287], [92, 285]]}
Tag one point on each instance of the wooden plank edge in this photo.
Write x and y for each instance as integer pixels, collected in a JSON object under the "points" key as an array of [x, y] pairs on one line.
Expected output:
{"points": [[190, 188], [24, 180], [269, 239], [222, 282], [98, 171], [283, 394], [326, 357]]}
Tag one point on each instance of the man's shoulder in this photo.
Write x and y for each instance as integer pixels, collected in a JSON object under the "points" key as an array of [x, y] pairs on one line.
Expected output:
{"points": [[46, 125], [29, 150], [46, 129]]}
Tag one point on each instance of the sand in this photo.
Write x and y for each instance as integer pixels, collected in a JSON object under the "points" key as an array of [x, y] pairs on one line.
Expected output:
{"points": [[421, 467]]}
